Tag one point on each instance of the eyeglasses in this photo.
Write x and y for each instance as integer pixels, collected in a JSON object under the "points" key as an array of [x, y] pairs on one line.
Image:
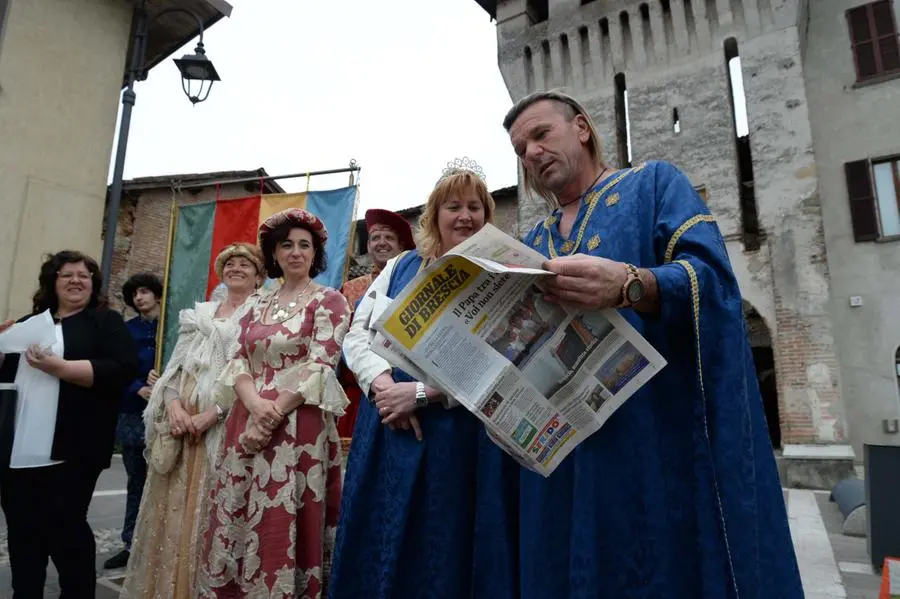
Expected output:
{"points": [[68, 276]]}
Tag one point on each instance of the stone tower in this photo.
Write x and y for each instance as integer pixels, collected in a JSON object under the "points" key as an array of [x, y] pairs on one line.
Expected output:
{"points": [[665, 64]]}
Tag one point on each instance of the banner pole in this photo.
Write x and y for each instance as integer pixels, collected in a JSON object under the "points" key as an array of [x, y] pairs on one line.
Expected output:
{"points": [[352, 241], [161, 325]]}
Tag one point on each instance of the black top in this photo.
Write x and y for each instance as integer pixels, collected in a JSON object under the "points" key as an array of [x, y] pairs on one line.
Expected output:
{"points": [[86, 417]]}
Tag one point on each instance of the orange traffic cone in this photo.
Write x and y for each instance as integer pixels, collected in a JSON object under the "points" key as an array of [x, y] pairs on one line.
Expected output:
{"points": [[890, 579]]}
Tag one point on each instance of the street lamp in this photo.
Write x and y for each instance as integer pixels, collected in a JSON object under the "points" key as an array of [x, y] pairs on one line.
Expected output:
{"points": [[197, 67], [194, 68]]}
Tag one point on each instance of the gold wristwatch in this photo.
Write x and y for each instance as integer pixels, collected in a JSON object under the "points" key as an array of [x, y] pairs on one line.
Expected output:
{"points": [[633, 289]]}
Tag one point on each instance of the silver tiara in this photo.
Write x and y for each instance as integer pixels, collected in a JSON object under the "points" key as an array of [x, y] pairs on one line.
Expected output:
{"points": [[462, 165]]}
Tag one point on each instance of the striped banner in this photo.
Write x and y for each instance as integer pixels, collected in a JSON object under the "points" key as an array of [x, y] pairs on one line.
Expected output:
{"points": [[201, 231]]}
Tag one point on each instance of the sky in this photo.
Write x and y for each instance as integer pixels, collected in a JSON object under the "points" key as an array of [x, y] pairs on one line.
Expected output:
{"points": [[400, 86]]}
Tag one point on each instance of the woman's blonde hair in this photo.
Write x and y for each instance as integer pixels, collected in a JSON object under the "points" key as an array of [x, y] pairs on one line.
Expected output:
{"points": [[457, 184], [571, 109]]}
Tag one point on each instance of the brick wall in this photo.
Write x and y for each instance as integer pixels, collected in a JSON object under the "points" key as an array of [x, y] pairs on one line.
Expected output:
{"points": [[143, 232]]}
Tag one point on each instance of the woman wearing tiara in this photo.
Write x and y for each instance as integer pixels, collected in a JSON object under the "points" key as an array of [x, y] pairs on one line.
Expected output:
{"points": [[429, 507], [277, 483]]}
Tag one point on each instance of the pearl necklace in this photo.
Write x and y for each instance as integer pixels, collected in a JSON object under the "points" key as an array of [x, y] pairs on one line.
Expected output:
{"points": [[282, 313]]}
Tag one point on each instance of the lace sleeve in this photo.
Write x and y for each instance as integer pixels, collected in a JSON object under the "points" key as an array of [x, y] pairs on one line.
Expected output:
{"points": [[314, 377], [238, 364]]}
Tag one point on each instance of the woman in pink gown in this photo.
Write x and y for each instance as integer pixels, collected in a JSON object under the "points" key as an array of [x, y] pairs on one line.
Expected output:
{"points": [[277, 490]]}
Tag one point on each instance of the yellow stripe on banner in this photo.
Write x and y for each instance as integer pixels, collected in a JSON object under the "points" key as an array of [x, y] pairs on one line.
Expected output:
{"points": [[276, 202]]}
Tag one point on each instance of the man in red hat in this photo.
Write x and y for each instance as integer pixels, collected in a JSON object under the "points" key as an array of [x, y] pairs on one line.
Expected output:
{"points": [[389, 234]]}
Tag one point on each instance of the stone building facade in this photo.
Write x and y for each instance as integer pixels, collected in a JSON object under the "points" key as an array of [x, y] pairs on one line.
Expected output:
{"points": [[655, 77], [61, 72], [855, 114], [145, 215]]}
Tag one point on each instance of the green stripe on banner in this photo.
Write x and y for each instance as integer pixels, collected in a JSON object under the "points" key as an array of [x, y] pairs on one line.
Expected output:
{"points": [[189, 268]]}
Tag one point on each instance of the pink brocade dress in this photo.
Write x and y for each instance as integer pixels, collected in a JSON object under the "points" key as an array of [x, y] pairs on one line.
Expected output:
{"points": [[273, 516]]}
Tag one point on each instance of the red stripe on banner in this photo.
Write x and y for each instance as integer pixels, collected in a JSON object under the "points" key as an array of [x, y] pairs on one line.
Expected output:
{"points": [[236, 220]]}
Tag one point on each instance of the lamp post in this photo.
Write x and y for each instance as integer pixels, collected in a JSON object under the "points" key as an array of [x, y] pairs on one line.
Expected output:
{"points": [[193, 67]]}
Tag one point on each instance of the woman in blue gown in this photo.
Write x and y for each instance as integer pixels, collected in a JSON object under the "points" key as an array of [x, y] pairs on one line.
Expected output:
{"points": [[429, 507]]}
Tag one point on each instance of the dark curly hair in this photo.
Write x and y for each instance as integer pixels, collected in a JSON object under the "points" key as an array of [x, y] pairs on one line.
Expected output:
{"points": [[45, 297], [147, 280], [271, 241]]}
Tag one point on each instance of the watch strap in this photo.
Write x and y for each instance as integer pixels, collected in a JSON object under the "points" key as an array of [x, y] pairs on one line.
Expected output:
{"points": [[421, 398], [631, 275]]}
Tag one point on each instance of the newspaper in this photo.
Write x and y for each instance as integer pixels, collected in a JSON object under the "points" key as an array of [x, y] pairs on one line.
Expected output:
{"points": [[542, 378]]}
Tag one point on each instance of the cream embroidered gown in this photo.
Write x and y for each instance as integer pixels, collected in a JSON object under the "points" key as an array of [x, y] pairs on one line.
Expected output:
{"points": [[165, 551]]}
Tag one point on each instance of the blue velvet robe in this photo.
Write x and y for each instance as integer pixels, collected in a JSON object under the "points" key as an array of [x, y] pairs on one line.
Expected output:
{"points": [[678, 495], [434, 519]]}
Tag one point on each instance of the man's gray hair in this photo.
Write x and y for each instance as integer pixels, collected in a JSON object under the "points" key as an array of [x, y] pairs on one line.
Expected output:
{"points": [[570, 108]]}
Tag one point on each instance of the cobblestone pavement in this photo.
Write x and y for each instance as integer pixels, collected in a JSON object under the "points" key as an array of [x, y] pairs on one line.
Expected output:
{"points": [[832, 565]]}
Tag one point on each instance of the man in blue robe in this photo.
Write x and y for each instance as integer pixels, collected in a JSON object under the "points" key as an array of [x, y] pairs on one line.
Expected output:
{"points": [[678, 495]]}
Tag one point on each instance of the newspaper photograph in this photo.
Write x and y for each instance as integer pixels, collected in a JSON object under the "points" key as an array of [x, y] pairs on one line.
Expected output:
{"points": [[541, 378]]}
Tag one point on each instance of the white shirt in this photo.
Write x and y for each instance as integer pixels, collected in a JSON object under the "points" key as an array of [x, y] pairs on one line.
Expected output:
{"points": [[366, 364], [36, 406]]}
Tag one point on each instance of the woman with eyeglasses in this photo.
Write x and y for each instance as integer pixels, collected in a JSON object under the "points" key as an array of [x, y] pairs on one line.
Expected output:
{"points": [[67, 404]]}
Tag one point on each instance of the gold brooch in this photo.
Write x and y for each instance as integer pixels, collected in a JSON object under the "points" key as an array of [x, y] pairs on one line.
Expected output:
{"points": [[613, 199], [568, 246], [593, 243], [538, 240]]}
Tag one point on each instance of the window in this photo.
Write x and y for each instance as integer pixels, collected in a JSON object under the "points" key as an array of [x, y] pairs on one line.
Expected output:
{"points": [[873, 36], [538, 10], [873, 188], [750, 228], [623, 125]]}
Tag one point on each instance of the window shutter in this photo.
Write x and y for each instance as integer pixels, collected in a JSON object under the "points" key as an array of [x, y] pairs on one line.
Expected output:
{"points": [[886, 30], [862, 200]]}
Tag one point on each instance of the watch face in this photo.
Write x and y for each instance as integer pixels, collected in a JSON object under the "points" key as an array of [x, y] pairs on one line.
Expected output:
{"points": [[635, 291]]}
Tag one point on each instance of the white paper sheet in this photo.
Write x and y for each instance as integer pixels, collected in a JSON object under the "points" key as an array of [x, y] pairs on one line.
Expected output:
{"points": [[37, 330]]}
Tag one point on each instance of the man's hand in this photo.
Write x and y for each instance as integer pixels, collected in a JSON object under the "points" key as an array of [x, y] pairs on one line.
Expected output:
{"points": [[152, 377], [585, 283], [144, 393]]}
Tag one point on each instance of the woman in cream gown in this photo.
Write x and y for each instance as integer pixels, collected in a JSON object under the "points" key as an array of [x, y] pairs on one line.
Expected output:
{"points": [[184, 424]]}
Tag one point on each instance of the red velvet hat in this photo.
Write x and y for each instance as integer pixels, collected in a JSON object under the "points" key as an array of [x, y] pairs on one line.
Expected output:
{"points": [[377, 216]]}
